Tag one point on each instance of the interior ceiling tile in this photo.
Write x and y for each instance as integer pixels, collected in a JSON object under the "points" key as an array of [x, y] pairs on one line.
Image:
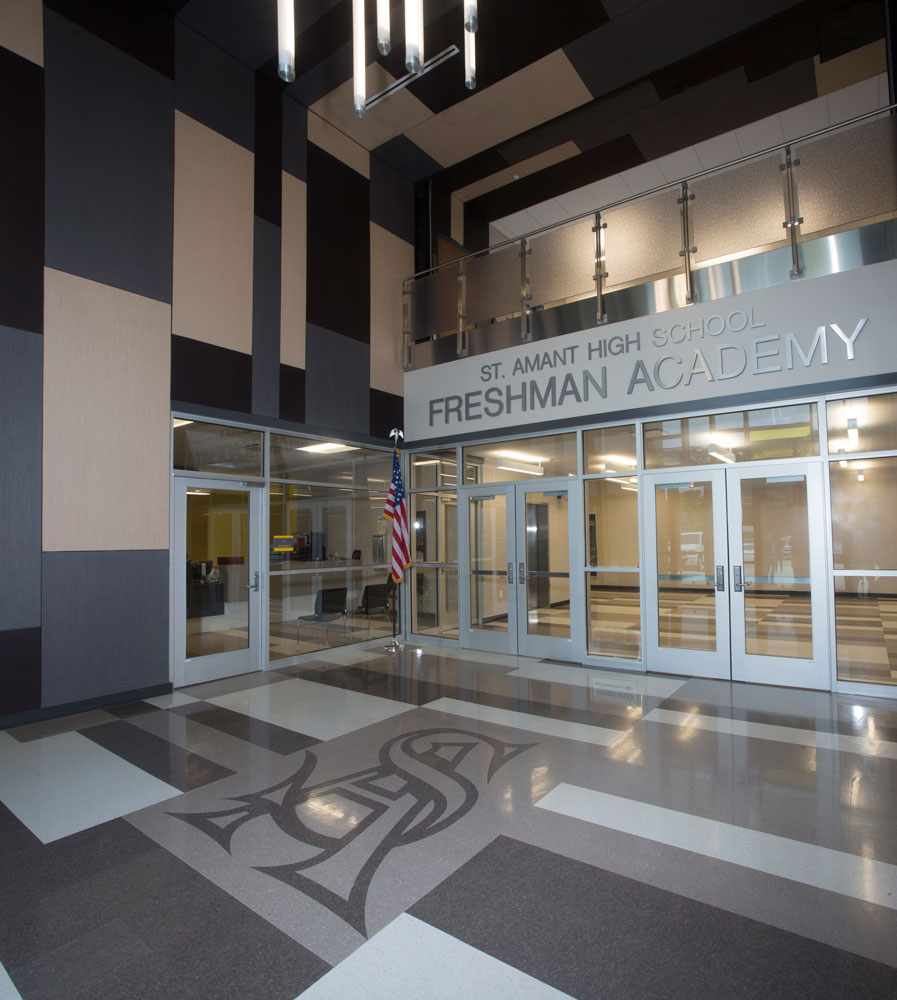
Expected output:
{"points": [[548, 212], [804, 118], [760, 135], [576, 202], [581, 121], [853, 100], [339, 145], [675, 166], [643, 178], [535, 94], [389, 118], [655, 34], [718, 150], [518, 224], [557, 180], [609, 190], [522, 169]]}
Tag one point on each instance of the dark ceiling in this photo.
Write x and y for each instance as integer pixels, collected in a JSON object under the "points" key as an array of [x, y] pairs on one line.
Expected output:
{"points": [[568, 92]]}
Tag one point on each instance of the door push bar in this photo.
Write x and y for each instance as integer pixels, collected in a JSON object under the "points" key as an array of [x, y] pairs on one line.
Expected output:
{"points": [[510, 574], [721, 578], [737, 585]]}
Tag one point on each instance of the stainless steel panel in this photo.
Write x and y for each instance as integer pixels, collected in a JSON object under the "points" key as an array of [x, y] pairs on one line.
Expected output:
{"points": [[738, 210], [848, 176], [563, 263]]}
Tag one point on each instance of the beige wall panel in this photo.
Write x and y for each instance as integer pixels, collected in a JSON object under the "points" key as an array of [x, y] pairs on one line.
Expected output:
{"points": [[533, 95], [521, 169], [332, 141], [213, 226], [107, 361], [22, 28], [294, 225], [392, 260], [860, 64], [385, 121]]}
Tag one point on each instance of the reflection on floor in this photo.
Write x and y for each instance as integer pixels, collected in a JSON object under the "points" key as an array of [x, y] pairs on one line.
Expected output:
{"points": [[444, 824]]}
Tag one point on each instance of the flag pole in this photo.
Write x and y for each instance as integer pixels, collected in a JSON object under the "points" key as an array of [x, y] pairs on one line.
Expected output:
{"points": [[393, 646]]}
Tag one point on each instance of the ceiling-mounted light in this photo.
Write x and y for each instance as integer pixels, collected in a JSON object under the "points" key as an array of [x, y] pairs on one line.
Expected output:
{"points": [[383, 42], [524, 467], [470, 15], [286, 41], [358, 63], [470, 60], [414, 35]]}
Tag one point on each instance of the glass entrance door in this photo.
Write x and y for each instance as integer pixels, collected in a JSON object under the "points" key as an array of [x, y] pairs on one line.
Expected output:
{"points": [[518, 597], [217, 580], [735, 567]]}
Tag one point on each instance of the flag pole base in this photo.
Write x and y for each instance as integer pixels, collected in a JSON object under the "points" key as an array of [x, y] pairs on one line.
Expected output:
{"points": [[393, 646]]}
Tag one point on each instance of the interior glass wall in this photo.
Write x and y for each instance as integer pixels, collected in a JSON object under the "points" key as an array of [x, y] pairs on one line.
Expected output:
{"points": [[521, 459], [433, 517], [742, 436]]}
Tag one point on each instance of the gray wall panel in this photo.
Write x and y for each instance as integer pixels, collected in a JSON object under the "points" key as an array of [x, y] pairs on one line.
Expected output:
{"points": [[105, 623], [110, 163], [21, 377], [337, 381], [295, 133], [213, 87], [266, 319]]}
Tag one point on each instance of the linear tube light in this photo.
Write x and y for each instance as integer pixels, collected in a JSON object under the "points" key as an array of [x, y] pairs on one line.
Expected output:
{"points": [[414, 35], [470, 60], [286, 41], [470, 15], [383, 42], [358, 63], [529, 470]]}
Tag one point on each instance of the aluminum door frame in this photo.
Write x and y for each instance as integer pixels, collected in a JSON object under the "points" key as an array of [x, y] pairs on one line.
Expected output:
{"points": [[194, 670]]}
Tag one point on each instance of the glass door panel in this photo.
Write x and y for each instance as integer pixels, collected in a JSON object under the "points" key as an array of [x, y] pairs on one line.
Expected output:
{"points": [[217, 588], [687, 568], [777, 582], [490, 599]]}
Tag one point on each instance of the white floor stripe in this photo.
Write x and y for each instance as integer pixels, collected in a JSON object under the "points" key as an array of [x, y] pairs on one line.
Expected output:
{"points": [[613, 684], [411, 960], [864, 745], [314, 709], [61, 784], [171, 700], [847, 874], [7, 989], [531, 723]]}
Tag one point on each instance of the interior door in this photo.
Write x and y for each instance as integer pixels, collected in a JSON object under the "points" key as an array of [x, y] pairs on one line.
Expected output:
{"points": [[736, 575], [687, 572], [217, 580], [777, 552], [548, 622]]}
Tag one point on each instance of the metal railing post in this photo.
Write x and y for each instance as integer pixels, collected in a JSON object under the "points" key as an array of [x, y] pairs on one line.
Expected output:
{"points": [[687, 247], [461, 348], [407, 333], [526, 298], [793, 219], [600, 273]]}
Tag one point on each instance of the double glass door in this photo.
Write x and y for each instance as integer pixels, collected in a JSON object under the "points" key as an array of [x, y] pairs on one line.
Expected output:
{"points": [[517, 596], [217, 603], [736, 575]]}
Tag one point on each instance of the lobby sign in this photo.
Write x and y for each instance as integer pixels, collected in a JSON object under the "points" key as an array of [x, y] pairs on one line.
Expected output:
{"points": [[841, 326]]}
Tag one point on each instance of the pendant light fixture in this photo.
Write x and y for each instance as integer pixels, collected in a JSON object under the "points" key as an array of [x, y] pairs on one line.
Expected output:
{"points": [[414, 35], [383, 42], [358, 60], [286, 41]]}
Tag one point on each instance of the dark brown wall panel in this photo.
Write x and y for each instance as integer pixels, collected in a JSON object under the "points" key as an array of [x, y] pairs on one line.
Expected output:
{"points": [[207, 375]]}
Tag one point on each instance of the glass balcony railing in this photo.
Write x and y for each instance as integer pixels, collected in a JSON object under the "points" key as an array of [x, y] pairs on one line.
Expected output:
{"points": [[817, 205]]}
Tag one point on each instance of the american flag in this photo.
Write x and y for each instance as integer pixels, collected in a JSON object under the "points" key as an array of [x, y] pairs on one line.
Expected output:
{"points": [[397, 513]]}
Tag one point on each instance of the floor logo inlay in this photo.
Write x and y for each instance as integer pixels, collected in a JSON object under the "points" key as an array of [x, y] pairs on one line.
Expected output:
{"points": [[334, 834]]}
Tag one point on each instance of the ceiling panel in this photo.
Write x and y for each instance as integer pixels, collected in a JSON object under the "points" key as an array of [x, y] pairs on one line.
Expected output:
{"points": [[541, 91], [518, 170]]}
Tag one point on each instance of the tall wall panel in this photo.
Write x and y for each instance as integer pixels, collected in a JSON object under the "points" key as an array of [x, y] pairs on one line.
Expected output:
{"points": [[106, 417], [337, 382], [392, 259], [213, 236], [293, 272], [109, 153], [22, 28], [21, 192]]}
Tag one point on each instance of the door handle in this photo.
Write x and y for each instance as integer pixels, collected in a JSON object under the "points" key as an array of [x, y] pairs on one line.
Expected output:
{"points": [[510, 574], [251, 586], [721, 578], [521, 572], [736, 580]]}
